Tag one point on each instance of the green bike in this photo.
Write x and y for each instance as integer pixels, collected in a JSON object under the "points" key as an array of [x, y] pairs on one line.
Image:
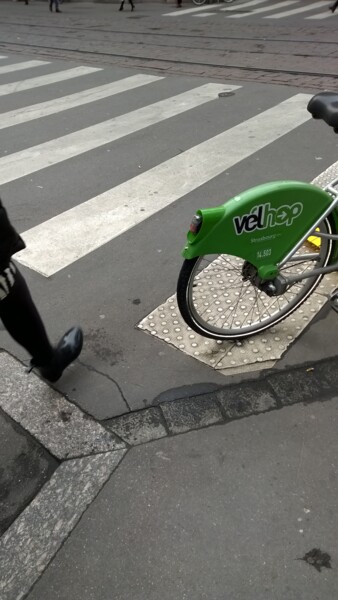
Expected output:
{"points": [[251, 262]]}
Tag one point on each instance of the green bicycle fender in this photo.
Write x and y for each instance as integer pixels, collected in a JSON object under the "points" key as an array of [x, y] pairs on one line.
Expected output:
{"points": [[260, 225]]}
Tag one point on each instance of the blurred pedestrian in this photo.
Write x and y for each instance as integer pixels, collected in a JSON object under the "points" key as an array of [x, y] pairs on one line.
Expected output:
{"points": [[56, 2], [130, 2], [334, 6], [20, 316]]}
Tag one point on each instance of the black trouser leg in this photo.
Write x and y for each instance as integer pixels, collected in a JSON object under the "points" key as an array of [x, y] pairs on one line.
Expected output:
{"points": [[23, 322]]}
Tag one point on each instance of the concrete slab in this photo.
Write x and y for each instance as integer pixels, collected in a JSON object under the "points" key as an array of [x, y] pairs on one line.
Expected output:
{"points": [[241, 511], [59, 425]]}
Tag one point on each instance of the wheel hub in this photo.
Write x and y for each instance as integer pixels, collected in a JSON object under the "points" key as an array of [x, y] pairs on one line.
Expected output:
{"points": [[273, 287]]}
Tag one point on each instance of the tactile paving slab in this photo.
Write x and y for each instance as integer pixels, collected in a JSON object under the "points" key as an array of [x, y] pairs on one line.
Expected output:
{"points": [[260, 351]]}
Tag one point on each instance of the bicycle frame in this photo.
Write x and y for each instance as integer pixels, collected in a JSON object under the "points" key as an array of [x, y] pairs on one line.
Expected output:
{"points": [[287, 213]]}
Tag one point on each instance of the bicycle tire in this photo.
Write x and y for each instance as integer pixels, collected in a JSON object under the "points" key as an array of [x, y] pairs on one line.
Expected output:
{"points": [[208, 303], [199, 2]]}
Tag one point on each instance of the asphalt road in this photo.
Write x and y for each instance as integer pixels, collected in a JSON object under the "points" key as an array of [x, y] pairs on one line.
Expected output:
{"points": [[248, 40], [114, 282]]}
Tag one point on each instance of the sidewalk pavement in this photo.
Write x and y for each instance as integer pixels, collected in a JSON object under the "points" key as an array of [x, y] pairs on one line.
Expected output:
{"points": [[230, 495]]}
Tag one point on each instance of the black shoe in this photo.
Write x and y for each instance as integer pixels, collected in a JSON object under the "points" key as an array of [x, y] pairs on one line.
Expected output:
{"points": [[132, 7], [58, 10], [121, 7], [67, 350], [332, 9]]}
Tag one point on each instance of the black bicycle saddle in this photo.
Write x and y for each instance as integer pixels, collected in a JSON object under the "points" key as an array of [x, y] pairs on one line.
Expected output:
{"points": [[325, 106]]}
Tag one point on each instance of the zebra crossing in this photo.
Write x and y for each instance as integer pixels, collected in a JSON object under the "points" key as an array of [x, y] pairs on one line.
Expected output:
{"points": [[101, 171], [79, 230], [264, 9]]}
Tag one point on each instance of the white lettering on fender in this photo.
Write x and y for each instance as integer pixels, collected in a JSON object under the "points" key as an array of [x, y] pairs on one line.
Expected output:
{"points": [[264, 216]]}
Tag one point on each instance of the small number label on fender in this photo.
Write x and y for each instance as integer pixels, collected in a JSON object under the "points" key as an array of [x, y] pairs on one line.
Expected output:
{"points": [[264, 253]]}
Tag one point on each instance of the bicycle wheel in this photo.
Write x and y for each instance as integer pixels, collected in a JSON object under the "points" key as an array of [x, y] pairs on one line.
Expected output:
{"points": [[217, 298], [199, 2]]}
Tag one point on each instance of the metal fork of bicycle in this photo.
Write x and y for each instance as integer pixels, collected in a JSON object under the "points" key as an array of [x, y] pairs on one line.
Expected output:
{"points": [[251, 262]]}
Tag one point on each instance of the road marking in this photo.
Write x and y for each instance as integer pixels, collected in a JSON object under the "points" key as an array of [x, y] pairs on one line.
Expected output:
{"points": [[86, 227], [37, 111], [295, 11], [245, 5], [28, 64], [1, 57], [34, 82], [323, 15], [264, 9], [58, 150], [206, 14], [187, 11]]}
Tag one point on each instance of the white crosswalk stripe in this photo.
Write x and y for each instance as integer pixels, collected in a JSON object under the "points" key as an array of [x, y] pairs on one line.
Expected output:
{"points": [[51, 107], [266, 8], [319, 17], [296, 11], [186, 11], [252, 8], [88, 225], [32, 83], [251, 3], [58, 150], [28, 64]]}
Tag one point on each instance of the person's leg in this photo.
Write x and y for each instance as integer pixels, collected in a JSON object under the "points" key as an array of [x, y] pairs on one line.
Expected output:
{"points": [[23, 322]]}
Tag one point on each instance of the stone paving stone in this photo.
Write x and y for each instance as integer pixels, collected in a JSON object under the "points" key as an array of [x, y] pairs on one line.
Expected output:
{"points": [[139, 427], [35, 537], [246, 399], [24, 467], [298, 385], [327, 371], [60, 426], [191, 413]]}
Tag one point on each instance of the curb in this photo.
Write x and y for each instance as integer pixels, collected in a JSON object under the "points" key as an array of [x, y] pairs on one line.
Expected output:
{"points": [[274, 390]]}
